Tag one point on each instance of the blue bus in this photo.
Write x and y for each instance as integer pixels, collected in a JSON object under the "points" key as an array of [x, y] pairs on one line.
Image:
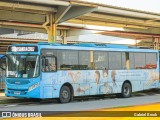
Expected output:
{"points": [[64, 71], [2, 71]]}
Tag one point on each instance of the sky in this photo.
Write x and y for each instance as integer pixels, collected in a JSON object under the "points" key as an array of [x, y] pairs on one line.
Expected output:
{"points": [[145, 5]]}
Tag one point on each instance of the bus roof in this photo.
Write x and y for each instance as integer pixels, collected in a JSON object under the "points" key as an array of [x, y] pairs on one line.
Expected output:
{"points": [[86, 46]]}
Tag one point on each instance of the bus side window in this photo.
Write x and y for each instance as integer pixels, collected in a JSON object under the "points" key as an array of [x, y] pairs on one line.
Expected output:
{"points": [[49, 64], [127, 60]]}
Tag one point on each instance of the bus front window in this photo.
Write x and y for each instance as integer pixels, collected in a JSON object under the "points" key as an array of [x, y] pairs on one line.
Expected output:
{"points": [[22, 66]]}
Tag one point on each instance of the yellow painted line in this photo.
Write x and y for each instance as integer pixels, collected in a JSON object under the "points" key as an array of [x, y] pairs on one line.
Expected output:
{"points": [[145, 107]]}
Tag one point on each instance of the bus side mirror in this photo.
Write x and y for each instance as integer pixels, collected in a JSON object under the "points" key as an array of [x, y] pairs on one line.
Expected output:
{"points": [[45, 62]]}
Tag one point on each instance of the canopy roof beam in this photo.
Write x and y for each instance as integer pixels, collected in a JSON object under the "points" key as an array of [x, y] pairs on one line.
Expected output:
{"points": [[17, 6]]}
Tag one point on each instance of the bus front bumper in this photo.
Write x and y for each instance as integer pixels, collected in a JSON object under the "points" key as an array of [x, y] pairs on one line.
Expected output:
{"points": [[23, 93]]}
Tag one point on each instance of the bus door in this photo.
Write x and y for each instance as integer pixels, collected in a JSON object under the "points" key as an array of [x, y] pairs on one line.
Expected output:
{"points": [[48, 75]]}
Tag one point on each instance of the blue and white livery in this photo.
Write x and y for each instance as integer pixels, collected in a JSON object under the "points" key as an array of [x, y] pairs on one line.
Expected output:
{"points": [[65, 71]]}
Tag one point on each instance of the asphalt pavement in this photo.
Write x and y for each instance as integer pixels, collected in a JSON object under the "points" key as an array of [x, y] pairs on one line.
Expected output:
{"points": [[81, 105]]}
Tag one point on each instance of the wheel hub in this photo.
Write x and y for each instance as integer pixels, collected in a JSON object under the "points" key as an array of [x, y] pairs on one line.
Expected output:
{"points": [[65, 94], [126, 90]]}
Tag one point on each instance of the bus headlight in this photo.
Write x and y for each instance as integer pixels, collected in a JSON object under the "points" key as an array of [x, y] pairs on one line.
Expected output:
{"points": [[33, 87]]}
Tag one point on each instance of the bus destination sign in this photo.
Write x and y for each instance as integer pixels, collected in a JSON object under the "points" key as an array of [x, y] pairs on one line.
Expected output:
{"points": [[22, 49]]}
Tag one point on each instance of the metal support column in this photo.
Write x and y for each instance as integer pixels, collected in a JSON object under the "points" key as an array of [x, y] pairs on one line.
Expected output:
{"points": [[52, 30], [156, 44], [64, 37]]}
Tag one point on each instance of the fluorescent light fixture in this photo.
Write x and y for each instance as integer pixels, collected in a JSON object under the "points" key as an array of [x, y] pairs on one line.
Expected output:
{"points": [[72, 24], [93, 27], [125, 41]]}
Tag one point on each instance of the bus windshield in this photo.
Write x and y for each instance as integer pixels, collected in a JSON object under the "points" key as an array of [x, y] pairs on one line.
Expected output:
{"points": [[22, 66]]}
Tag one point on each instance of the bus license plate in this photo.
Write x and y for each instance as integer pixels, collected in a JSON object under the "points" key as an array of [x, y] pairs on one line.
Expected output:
{"points": [[17, 92]]}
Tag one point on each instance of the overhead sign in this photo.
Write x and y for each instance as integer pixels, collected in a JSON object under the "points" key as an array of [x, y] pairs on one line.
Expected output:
{"points": [[22, 49]]}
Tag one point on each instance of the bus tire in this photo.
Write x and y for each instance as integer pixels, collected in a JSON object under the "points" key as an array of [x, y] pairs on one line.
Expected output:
{"points": [[65, 94], [126, 90]]}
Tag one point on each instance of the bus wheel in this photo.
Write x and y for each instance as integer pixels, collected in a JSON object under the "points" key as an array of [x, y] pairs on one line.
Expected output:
{"points": [[126, 90], [65, 94]]}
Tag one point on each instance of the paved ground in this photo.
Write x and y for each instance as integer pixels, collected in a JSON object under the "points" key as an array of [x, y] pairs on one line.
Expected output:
{"points": [[149, 100], [82, 105]]}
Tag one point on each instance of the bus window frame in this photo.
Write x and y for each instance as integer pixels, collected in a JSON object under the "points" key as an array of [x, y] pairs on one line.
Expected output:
{"points": [[42, 57], [23, 54]]}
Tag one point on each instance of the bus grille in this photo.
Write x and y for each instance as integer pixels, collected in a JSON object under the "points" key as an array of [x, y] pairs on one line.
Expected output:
{"points": [[18, 82], [17, 92]]}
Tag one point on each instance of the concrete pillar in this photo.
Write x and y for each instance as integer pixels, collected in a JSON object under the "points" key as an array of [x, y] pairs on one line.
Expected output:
{"points": [[52, 33]]}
